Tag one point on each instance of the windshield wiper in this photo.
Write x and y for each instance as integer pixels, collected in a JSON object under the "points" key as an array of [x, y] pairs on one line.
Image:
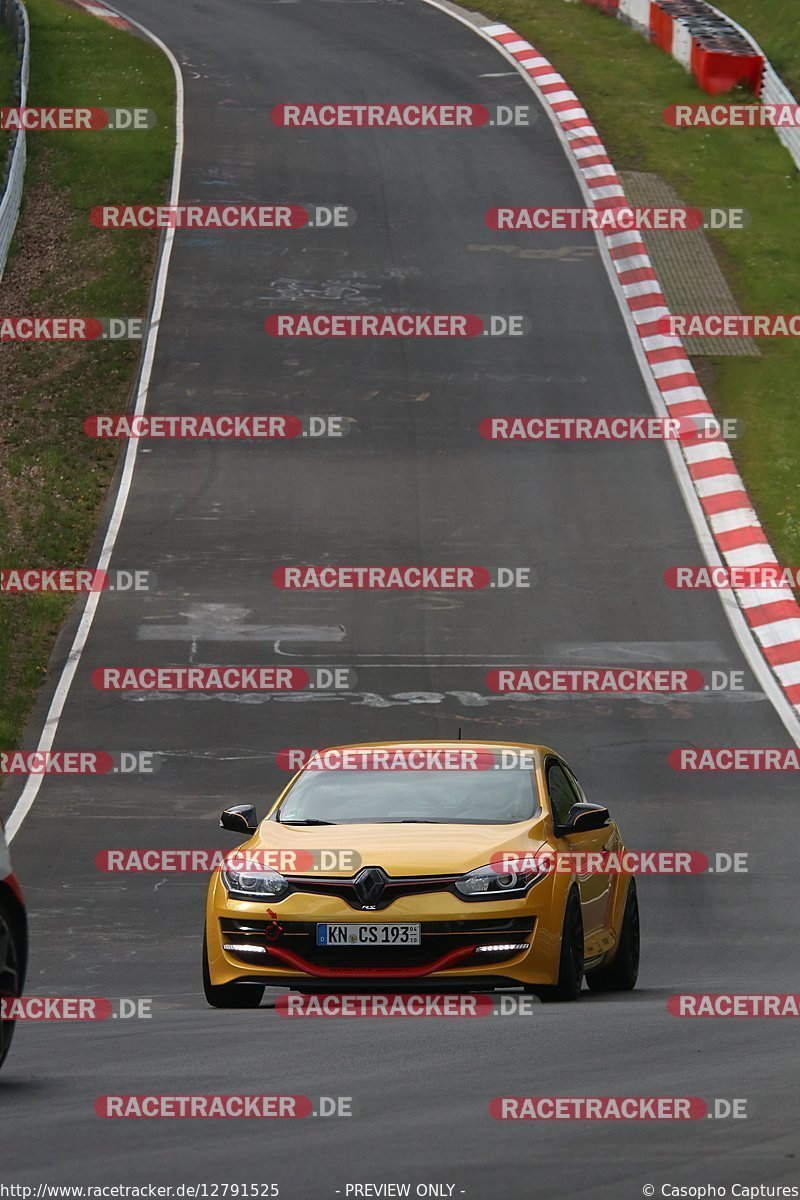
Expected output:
{"points": [[309, 821]]}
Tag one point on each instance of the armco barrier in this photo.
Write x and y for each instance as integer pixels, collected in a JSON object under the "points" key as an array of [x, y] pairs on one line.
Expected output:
{"points": [[15, 18], [775, 91]]}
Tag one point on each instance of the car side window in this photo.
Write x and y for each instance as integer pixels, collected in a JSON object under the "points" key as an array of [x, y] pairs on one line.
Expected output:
{"points": [[576, 787], [561, 793]]}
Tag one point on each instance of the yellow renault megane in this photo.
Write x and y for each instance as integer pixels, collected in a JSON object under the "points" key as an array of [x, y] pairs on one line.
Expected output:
{"points": [[430, 865]]}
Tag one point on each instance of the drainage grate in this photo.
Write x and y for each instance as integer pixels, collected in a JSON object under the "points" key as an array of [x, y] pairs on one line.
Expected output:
{"points": [[686, 268]]}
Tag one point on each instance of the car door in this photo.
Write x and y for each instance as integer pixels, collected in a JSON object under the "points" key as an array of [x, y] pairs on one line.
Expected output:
{"points": [[595, 887]]}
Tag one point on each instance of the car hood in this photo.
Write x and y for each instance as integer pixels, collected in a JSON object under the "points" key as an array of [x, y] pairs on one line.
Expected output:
{"points": [[406, 849]]}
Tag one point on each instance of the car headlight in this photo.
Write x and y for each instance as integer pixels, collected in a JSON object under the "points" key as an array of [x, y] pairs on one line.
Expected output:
{"points": [[255, 885], [489, 882]]}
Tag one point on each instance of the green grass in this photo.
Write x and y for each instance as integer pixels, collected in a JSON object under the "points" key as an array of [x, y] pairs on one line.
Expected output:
{"points": [[775, 24], [53, 479], [625, 84]]}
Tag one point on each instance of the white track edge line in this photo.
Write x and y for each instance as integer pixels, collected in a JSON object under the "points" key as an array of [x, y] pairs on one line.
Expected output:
{"points": [[68, 671]]}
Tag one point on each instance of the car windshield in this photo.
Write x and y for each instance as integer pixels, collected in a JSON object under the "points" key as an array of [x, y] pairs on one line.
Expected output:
{"points": [[440, 797]]}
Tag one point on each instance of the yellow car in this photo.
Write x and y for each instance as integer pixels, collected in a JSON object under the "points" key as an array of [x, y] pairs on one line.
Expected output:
{"points": [[423, 866]]}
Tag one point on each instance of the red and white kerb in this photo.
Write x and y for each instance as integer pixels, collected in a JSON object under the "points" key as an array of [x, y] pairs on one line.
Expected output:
{"points": [[772, 613], [105, 14]]}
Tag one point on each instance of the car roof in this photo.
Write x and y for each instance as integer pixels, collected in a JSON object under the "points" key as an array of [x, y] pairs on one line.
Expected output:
{"points": [[451, 744]]}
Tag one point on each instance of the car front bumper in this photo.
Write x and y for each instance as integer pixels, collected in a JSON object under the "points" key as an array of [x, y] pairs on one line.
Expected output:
{"points": [[281, 949]]}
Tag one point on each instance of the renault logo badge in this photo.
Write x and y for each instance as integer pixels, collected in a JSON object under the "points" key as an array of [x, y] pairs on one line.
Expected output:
{"points": [[369, 886]]}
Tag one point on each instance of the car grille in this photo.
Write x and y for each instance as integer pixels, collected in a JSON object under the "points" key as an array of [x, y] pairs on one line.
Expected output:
{"points": [[393, 888], [438, 939]]}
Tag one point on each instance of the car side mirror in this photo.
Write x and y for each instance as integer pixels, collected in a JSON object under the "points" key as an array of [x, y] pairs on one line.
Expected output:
{"points": [[584, 817], [241, 818]]}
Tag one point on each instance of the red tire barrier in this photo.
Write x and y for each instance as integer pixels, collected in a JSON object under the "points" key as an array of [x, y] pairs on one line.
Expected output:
{"points": [[661, 25], [704, 41], [718, 70]]}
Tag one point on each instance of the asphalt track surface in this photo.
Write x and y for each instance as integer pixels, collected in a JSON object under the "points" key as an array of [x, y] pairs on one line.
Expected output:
{"points": [[412, 482]]}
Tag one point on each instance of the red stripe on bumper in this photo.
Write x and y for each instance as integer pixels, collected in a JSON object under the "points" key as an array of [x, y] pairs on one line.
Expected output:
{"points": [[295, 960]]}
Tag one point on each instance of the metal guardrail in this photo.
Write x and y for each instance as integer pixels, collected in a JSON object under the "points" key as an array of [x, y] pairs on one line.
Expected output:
{"points": [[773, 91], [14, 16]]}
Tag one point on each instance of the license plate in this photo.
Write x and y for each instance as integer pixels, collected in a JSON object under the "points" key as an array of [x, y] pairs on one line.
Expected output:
{"points": [[383, 934]]}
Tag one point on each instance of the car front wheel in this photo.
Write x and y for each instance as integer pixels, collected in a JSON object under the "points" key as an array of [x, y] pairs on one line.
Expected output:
{"points": [[620, 975], [570, 966]]}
